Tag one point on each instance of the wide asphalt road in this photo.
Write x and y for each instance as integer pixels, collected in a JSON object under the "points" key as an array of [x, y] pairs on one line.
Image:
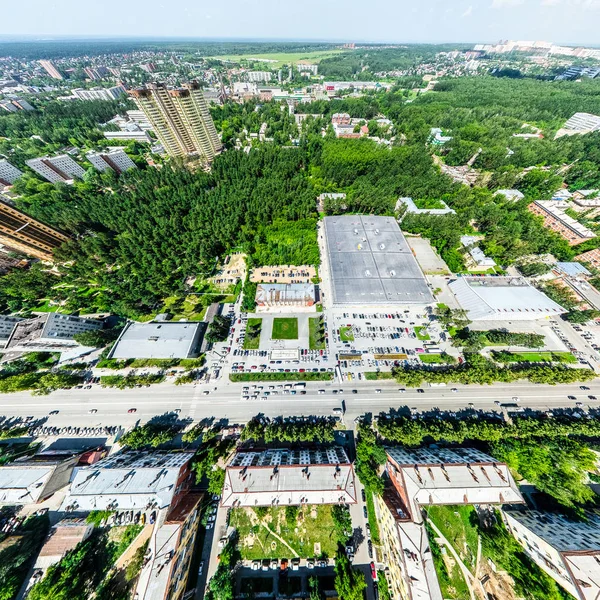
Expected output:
{"points": [[112, 405]]}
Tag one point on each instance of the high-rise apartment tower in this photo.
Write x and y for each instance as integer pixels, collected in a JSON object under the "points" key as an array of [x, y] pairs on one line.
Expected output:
{"points": [[180, 118]]}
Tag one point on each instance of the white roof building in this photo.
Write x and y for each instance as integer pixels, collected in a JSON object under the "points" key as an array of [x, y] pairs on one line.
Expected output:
{"points": [[444, 476], [56, 169], [568, 551], [130, 481], [117, 160], [511, 195], [289, 477], [502, 299], [159, 340], [8, 173]]}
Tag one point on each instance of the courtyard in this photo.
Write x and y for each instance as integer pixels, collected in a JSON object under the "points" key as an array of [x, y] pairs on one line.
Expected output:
{"points": [[285, 328]]}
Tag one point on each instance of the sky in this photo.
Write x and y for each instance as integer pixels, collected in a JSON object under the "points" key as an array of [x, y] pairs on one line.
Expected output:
{"points": [[560, 21]]}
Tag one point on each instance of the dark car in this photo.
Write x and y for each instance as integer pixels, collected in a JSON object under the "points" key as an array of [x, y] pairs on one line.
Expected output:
{"points": [[365, 511], [364, 496]]}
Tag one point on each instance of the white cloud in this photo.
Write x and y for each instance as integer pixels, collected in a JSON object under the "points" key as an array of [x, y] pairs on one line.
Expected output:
{"points": [[468, 12], [506, 3]]}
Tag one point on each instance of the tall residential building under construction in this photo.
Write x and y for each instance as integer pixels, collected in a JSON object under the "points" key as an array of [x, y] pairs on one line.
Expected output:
{"points": [[21, 232], [180, 118]]}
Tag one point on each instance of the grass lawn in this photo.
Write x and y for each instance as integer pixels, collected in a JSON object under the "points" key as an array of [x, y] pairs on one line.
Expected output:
{"points": [[282, 57], [375, 375], [455, 523], [313, 525], [421, 333], [431, 359], [315, 340], [285, 328], [253, 329], [562, 357], [346, 334]]}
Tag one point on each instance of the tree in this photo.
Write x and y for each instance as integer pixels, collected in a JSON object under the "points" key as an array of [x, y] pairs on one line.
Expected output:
{"points": [[581, 316], [349, 583], [98, 338]]}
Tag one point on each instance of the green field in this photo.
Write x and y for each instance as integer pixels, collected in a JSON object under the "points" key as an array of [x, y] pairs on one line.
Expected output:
{"points": [[510, 357], [285, 328], [432, 359], [346, 334], [301, 529], [315, 340], [421, 333], [252, 339], [281, 58]]}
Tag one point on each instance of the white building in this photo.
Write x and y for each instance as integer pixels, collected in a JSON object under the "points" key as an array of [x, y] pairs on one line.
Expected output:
{"points": [[8, 173], [511, 195], [56, 169], [312, 69], [258, 76], [99, 93], [117, 160], [568, 551], [131, 481], [129, 134], [159, 340], [580, 123], [49, 332], [412, 208], [7, 324], [502, 299], [289, 477]]}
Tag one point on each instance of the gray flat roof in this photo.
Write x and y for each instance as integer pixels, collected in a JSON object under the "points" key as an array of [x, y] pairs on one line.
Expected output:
{"points": [[371, 263], [157, 340]]}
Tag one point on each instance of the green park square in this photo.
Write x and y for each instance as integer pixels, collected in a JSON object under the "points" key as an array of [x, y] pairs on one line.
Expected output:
{"points": [[285, 328]]}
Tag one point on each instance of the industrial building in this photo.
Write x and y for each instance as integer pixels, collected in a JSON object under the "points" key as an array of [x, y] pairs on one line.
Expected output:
{"points": [[567, 550], [49, 332], [131, 481], [21, 232], [492, 298], [180, 118], [277, 295], [117, 160], [289, 477], [159, 340], [555, 218], [370, 263], [164, 576], [8, 173], [579, 123], [56, 169], [428, 477]]}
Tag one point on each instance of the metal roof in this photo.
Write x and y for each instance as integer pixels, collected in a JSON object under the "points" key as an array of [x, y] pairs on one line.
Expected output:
{"points": [[157, 340], [370, 262], [502, 298], [23, 484], [572, 268]]}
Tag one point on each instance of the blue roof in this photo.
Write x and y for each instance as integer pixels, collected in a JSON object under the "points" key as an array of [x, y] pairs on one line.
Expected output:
{"points": [[572, 268]]}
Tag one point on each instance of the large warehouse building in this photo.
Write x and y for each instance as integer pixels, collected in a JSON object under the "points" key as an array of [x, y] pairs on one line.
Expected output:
{"points": [[370, 263], [503, 299]]}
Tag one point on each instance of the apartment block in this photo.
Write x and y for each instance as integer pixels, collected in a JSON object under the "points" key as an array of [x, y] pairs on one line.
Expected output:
{"points": [[117, 160], [49, 332], [555, 218], [180, 118], [568, 551], [7, 324], [25, 234], [96, 73], [99, 93], [49, 67], [56, 169], [8, 173], [258, 76], [429, 477]]}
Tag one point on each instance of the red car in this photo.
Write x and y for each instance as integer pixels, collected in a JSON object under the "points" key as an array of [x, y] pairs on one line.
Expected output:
{"points": [[373, 571], [132, 410]]}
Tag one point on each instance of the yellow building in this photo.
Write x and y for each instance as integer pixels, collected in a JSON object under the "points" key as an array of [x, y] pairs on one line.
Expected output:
{"points": [[180, 118]]}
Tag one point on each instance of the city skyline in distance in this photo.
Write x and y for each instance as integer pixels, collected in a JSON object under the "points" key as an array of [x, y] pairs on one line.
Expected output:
{"points": [[570, 22]]}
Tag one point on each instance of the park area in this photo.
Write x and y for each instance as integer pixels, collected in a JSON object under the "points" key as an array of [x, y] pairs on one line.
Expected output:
{"points": [[285, 532], [285, 328], [462, 548], [253, 329], [316, 333]]}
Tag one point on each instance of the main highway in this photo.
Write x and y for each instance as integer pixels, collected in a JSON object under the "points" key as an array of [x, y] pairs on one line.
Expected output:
{"points": [[111, 406]]}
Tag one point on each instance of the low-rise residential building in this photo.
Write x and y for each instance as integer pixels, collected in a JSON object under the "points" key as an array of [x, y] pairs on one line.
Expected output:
{"points": [[591, 256], [35, 478], [171, 545], [56, 169], [117, 160], [277, 295], [159, 340], [567, 550], [495, 298], [49, 332], [289, 477], [131, 481], [341, 119], [511, 195], [412, 208], [429, 477], [555, 218], [8, 173]]}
